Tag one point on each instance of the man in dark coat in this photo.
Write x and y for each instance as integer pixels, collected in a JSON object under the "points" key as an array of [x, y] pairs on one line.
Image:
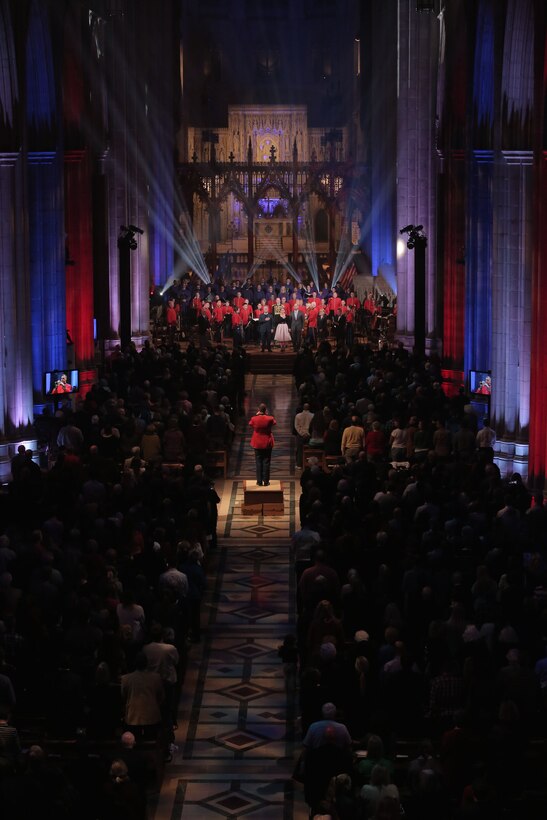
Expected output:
{"points": [[296, 324], [265, 329]]}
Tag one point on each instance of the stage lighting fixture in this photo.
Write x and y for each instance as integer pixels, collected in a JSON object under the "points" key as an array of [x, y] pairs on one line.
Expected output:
{"points": [[407, 228], [410, 244], [127, 236]]}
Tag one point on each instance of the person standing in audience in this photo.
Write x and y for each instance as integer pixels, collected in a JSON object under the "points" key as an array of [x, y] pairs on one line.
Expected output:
{"points": [[302, 422], [486, 438], [142, 697], [122, 799], [353, 439], [375, 443], [397, 442], [163, 658], [10, 745]]}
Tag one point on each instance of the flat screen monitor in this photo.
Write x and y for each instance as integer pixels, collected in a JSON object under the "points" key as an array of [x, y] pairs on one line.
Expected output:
{"points": [[60, 383], [480, 382]]}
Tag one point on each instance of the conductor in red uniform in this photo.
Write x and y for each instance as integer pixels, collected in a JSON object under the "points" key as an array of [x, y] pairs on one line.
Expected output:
{"points": [[262, 442]]}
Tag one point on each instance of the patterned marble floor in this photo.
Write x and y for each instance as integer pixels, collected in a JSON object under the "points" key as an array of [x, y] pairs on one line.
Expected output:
{"points": [[238, 736]]}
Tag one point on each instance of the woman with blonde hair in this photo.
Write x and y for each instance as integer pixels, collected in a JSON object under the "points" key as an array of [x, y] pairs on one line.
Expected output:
{"points": [[282, 333]]}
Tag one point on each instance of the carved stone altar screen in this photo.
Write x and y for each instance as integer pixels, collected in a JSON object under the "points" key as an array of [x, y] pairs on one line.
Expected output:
{"points": [[268, 165]]}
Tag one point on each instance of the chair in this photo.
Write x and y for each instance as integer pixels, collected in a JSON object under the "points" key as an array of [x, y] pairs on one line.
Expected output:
{"points": [[309, 452], [218, 460], [333, 461], [173, 467]]}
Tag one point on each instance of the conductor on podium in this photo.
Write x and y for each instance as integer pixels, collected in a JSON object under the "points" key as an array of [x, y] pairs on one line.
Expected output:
{"points": [[262, 442]]}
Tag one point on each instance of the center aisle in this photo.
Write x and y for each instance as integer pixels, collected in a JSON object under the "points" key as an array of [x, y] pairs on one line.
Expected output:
{"points": [[236, 738]]}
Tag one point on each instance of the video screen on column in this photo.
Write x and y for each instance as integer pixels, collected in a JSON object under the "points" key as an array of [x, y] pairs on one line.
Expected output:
{"points": [[61, 382], [480, 382]]}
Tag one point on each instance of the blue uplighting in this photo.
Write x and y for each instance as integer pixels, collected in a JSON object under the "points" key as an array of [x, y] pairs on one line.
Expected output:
{"points": [[483, 85], [477, 266]]}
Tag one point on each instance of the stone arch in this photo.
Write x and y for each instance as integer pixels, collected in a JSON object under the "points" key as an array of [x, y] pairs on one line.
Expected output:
{"points": [[232, 188], [313, 186], [268, 184], [45, 181]]}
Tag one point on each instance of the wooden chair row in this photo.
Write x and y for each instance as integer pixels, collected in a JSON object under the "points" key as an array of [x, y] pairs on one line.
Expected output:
{"points": [[218, 460], [325, 462], [215, 460]]}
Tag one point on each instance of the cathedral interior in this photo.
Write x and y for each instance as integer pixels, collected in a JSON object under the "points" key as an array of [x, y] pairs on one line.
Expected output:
{"points": [[141, 142], [335, 126]]}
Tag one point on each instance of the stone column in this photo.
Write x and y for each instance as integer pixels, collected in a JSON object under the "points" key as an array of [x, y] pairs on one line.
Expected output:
{"points": [[416, 159], [538, 369], [478, 263], [47, 265], [379, 82], [452, 226], [79, 273], [16, 405], [129, 176], [511, 307]]}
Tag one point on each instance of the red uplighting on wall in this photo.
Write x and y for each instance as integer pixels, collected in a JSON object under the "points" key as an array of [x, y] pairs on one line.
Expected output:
{"points": [[538, 375], [79, 268]]}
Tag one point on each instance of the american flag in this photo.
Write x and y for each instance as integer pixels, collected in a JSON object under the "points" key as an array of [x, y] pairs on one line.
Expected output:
{"points": [[346, 279]]}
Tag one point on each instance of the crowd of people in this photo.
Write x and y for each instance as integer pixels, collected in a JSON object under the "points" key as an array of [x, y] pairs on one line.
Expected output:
{"points": [[422, 627], [102, 553], [288, 313], [422, 617]]}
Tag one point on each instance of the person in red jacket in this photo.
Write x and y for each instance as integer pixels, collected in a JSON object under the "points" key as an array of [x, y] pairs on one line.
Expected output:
{"points": [[237, 328], [61, 386], [313, 312], [353, 302], [334, 303], [172, 316], [218, 320], [246, 312], [196, 308], [262, 442], [238, 301], [375, 443]]}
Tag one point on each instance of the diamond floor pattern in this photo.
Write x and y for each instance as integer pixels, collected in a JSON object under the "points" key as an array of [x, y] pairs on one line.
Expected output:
{"points": [[235, 757]]}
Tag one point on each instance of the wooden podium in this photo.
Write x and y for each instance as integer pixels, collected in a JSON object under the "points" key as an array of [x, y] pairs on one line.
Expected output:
{"points": [[267, 500]]}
